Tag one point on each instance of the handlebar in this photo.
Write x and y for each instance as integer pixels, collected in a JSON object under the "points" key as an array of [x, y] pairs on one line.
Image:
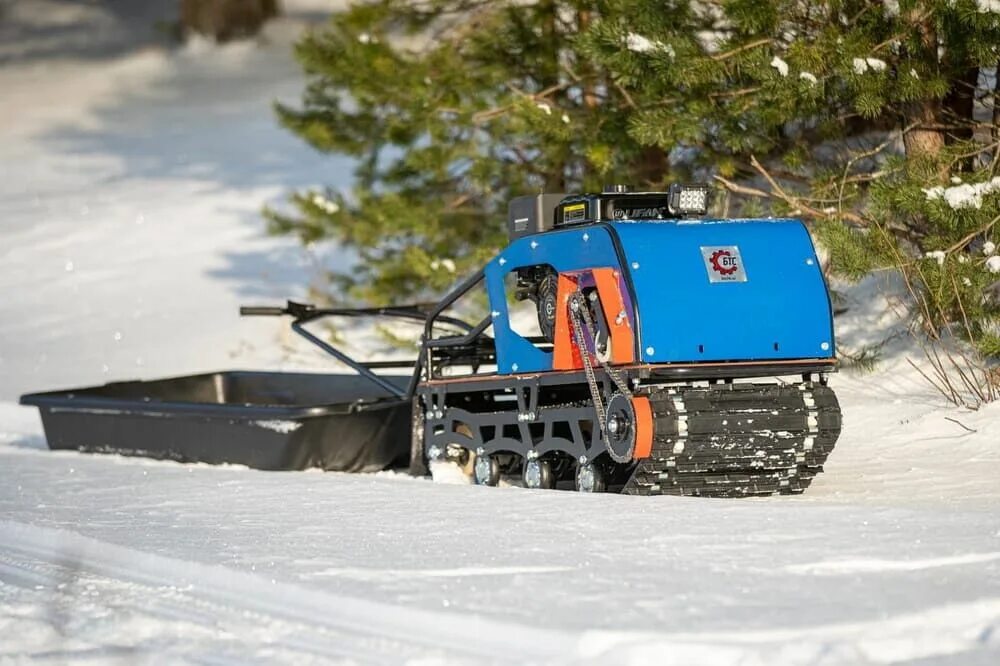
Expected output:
{"points": [[305, 312], [261, 311], [297, 310]]}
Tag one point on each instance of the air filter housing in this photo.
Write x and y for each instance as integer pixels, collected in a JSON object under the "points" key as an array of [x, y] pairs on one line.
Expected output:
{"points": [[531, 214]]}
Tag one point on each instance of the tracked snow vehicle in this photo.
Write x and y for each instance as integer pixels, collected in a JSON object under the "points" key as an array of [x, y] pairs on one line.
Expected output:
{"points": [[662, 353], [676, 354]]}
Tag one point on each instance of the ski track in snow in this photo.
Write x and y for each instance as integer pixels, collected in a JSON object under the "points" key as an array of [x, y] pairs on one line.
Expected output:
{"points": [[130, 233], [454, 572], [318, 624], [843, 567], [212, 605]]}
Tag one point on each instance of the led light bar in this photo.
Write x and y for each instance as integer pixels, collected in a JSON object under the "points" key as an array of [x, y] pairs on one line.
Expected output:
{"points": [[688, 199]]}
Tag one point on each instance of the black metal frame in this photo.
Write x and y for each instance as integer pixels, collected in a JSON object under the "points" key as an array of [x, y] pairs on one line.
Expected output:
{"points": [[304, 313]]}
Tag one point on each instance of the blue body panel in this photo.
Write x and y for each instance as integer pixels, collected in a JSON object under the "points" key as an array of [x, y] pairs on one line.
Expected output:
{"points": [[569, 250], [782, 310]]}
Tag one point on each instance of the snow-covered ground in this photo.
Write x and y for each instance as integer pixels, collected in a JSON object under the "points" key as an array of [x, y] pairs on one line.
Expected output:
{"points": [[130, 199], [132, 178]]}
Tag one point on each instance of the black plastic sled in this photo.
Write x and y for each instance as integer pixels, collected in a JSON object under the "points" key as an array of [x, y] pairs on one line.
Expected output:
{"points": [[265, 420], [272, 421]]}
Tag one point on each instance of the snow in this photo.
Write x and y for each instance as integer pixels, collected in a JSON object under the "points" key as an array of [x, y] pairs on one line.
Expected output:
{"points": [[993, 264], [446, 264], [865, 568], [133, 210], [324, 204], [638, 44], [808, 77], [862, 65], [936, 255], [780, 65], [135, 205], [967, 195]]}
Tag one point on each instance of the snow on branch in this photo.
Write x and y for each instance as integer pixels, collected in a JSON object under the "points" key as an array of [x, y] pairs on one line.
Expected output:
{"points": [[965, 195], [638, 44]]}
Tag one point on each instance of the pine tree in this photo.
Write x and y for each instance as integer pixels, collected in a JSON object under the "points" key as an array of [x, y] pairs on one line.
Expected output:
{"points": [[452, 107], [876, 121], [858, 116]]}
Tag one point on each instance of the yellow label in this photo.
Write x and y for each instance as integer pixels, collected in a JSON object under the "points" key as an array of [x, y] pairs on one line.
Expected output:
{"points": [[575, 212]]}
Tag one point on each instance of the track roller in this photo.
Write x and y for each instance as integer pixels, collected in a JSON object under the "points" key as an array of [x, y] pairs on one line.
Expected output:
{"points": [[589, 478], [486, 471], [538, 474]]}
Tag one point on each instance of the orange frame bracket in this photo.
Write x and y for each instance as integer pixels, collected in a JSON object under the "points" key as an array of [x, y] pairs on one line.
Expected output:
{"points": [[566, 355]]}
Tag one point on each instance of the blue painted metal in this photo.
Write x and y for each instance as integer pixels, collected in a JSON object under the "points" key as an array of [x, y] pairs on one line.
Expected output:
{"points": [[782, 311], [569, 250]]}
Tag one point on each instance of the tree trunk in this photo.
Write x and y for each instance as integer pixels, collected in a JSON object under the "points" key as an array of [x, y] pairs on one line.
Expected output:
{"points": [[995, 130], [224, 20], [653, 166], [959, 103], [590, 99], [925, 136], [548, 67]]}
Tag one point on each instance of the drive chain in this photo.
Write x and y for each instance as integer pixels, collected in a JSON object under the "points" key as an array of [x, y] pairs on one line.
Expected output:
{"points": [[579, 316]]}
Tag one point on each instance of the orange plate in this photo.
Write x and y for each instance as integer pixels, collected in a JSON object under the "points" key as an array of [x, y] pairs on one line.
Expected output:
{"points": [[622, 345], [643, 427]]}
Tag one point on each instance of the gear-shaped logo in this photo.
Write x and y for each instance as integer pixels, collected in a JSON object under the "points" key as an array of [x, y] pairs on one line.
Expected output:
{"points": [[723, 262]]}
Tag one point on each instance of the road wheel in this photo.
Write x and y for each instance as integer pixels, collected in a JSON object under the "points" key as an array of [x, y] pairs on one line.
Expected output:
{"points": [[538, 474], [589, 478], [486, 471]]}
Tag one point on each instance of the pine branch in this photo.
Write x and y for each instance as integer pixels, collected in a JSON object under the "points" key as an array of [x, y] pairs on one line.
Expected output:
{"points": [[719, 57], [798, 203], [968, 237]]}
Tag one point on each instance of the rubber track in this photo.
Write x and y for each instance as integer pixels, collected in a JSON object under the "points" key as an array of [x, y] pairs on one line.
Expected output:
{"points": [[737, 440]]}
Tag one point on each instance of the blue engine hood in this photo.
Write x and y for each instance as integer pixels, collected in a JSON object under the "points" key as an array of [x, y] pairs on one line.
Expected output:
{"points": [[781, 310]]}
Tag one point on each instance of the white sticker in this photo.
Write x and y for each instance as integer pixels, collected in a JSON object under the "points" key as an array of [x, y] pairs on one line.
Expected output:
{"points": [[723, 263]]}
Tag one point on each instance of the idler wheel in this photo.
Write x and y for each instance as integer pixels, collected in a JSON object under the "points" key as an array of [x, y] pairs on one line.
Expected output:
{"points": [[620, 428], [589, 478], [486, 471], [538, 474]]}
